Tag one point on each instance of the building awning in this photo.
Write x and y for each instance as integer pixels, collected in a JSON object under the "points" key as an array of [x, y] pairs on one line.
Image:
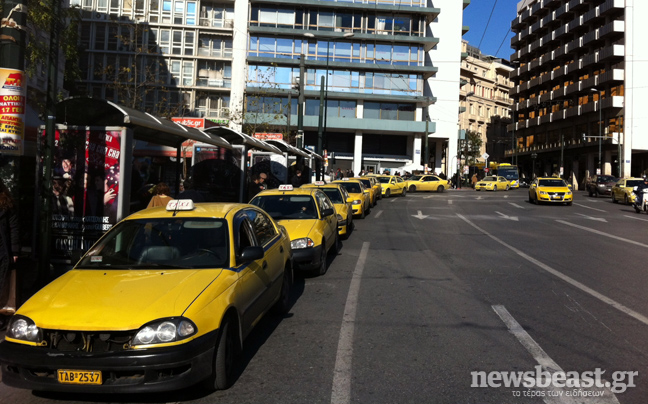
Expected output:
{"points": [[312, 154], [239, 138], [286, 148], [84, 111]]}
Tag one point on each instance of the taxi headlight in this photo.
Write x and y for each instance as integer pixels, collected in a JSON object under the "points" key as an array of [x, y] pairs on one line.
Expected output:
{"points": [[23, 328], [543, 193], [163, 331], [357, 202], [304, 242], [568, 193]]}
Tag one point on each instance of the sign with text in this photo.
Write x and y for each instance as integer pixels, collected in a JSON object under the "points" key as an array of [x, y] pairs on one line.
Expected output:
{"points": [[12, 111]]}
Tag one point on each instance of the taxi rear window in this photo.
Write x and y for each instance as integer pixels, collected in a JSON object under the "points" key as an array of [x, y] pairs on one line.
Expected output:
{"points": [[161, 243]]}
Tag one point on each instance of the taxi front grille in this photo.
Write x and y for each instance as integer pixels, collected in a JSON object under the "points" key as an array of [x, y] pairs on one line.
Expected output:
{"points": [[83, 341]]}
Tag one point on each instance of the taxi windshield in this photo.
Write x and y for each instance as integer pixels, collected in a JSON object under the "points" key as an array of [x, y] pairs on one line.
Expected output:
{"points": [[287, 206], [334, 195], [416, 177], [490, 179], [383, 180], [174, 243], [367, 183], [552, 183], [352, 187]]}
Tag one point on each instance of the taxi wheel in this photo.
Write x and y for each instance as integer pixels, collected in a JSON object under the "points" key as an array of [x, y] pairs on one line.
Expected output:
{"points": [[440, 189], [322, 268], [387, 193], [404, 192], [224, 358], [494, 188], [614, 200], [412, 188], [283, 304], [337, 246], [507, 187], [625, 199], [363, 214]]}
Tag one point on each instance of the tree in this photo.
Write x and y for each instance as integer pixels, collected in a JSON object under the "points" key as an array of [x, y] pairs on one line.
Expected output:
{"points": [[472, 148]]}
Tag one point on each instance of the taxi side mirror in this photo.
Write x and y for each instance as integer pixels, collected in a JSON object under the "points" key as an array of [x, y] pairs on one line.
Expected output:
{"points": [[569, 186], [251, 253], [328, 212]]}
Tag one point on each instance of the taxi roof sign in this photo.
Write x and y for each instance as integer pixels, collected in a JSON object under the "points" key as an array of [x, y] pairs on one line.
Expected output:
{"points": [[319, 183], [285, 187], [180, 204]]}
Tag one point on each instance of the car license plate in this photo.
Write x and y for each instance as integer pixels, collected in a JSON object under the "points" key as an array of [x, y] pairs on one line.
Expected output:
{"points": [[79, 376], [556, 196]]}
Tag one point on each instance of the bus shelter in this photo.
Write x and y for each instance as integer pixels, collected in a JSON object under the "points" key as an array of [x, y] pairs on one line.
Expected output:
{"points": [[94, 181]]}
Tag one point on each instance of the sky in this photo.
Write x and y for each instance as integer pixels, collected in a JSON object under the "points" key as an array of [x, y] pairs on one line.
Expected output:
{"points": [[494, 36]]}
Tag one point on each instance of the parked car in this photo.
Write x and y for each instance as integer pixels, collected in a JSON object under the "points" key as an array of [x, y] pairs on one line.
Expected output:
{"points": [[600, 185]]}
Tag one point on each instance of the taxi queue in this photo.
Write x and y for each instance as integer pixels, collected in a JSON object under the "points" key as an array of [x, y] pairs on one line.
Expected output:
{"points": [[166, 297]]}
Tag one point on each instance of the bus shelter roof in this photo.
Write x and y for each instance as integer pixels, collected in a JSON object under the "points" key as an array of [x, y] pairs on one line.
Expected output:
{"points": [[86, 111], [239, 138], [286, 148], [312, 153]]}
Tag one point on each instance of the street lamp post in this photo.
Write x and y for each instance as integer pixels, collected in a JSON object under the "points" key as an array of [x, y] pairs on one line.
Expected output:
{"points": [[533, 159]]}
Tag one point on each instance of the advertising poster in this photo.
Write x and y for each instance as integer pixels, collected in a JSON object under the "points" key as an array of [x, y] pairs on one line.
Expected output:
{"points": [[12, 111], [85, 187]]}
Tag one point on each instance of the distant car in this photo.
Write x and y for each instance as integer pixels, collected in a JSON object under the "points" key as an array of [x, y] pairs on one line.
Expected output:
{"points": [[161, 302], [359, 193], [493, 183], [600, 185], [426, 183], [342, 202], [392, 185], [622, 190], [310, 218], [550, 189], [372, 184]]}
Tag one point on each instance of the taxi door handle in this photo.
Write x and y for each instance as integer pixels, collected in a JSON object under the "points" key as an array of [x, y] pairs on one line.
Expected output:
{"points": [[265, 265]]}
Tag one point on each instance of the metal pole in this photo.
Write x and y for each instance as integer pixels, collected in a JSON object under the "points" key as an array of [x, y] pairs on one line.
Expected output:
{"points": [[328, 43], [600, 134], [300, 106], [562, 153], [319, 126]]}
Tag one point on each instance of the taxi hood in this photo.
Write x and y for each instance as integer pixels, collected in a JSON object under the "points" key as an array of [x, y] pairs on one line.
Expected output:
{"points": [[115, 299], [298, 228]]}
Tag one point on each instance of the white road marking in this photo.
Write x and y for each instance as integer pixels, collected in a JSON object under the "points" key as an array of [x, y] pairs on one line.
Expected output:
{"points": [[479, 197], [394, 199], [587, 207], [516, 205], [449, 201], [341, 392], [601, 233], [379, 213], [548, 364], [600, 219], [420, 215], [637, 218], [503, 216], [565, 278]]}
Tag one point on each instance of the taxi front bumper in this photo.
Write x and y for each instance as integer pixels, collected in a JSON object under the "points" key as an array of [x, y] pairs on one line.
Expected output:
{"points": [[307, 258], [134, 371], [555, 197]]}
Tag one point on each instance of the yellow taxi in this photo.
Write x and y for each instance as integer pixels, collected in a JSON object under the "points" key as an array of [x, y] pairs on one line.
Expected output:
{"points": [[428, 182], [392, 185], [342, 202], [162, 301], [369, 188], [361, 196], [310, 218], [550, 189], [622, 190], [493, 183]]}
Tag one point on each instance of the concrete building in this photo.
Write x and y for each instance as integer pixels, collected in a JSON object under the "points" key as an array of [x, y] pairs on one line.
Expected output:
{"points": [[392, 69], [485, 104], [579, 89]]}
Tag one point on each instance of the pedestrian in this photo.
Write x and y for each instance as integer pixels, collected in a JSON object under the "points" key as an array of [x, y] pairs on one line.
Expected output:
{"points": [[9, 249], [474, 180], [256, 184], [296, 179], [161, 197], [338, 174], [190, 192]]}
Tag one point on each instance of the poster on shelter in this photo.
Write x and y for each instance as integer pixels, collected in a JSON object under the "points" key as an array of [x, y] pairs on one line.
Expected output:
{"points": [[85, 187], [12, 111]]}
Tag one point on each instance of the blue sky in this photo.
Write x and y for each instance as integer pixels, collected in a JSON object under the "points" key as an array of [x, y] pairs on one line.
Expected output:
{"points": [[476, 16]]}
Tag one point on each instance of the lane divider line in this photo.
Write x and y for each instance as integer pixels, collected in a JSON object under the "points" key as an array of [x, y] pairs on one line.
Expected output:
{"points": [[600, 233], [341, 392]]}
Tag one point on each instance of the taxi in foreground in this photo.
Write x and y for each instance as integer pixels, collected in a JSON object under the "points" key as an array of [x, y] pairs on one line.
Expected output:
{"points": [[426, 183], [361, 198], [374, 192], [310, 218], [550, 189], [162, 301], [392, 185], [622, 190], [342, 202], [493, 183]]}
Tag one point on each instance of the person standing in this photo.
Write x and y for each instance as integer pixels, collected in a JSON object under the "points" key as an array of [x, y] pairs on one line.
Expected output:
{"points": [[9, 248], [257, 184], [474, 180], [161, 197], [297, 179]]}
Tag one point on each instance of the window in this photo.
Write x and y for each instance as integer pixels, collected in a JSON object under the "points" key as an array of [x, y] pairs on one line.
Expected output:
{"points": [[262, 226]]}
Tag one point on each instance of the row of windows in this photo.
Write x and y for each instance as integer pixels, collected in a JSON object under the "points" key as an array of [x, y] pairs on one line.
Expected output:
{"points": [[338, 20], [338, 80], [336, 51], [334, 108]]}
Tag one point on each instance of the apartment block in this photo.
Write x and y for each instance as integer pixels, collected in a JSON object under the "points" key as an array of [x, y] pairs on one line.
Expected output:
{"points": [[485, 105], [579, 88]]}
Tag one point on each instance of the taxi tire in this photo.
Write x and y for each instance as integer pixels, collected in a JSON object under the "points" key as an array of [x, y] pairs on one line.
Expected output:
{"points": [[614, 200], [387, 193], [337, 246], [404, 193], [412, 188], [283, 304], [323, 268], [507, 187], [221, 377], [440, 189], [625, 199], [363, 214], [494, 188]]}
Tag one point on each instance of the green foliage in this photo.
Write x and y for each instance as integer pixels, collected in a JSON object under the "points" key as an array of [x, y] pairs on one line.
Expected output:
{"points": [[473, 146]]}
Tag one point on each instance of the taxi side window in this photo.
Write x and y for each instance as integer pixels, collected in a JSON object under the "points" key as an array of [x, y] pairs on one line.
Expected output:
{"points": [[263, 228], [245, 237], [323, 201]]}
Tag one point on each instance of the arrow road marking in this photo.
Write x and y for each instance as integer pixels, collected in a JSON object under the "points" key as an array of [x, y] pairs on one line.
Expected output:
{"points": [[600, 219], [420, 215], [503, 216], [516, 205]]}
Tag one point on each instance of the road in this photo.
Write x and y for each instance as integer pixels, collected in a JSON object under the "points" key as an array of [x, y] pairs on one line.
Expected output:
{"points": [[432, 288]]}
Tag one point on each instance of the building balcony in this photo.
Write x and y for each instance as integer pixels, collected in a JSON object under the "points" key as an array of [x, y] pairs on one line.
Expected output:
{"points": [[612, 51], [612, 75]]}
